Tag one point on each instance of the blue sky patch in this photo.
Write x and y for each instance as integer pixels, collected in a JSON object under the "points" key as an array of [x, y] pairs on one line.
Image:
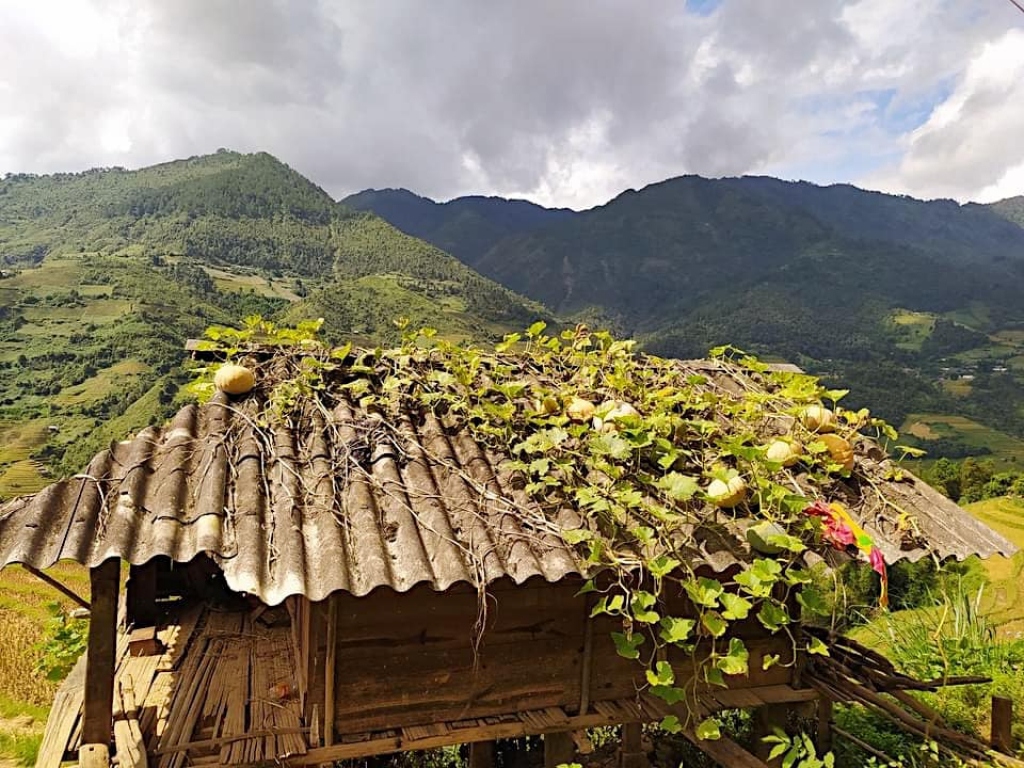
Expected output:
{"points": [[702, 7]]}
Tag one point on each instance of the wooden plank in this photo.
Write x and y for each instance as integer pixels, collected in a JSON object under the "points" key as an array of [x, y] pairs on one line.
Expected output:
{"points": [[823, 734], [587, 661], [375, 744], [179, 636], [97, 719], [131, 747], [144, 642], [59, 586], [64, 714]]}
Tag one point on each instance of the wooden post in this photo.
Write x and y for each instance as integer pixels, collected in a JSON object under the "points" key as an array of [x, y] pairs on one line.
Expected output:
{"points": [[330, 669], [98, 706], [823, 742], [766, 720], [559, 749], [481, 754], [1002, 719], [632, 753], [587, 663]]}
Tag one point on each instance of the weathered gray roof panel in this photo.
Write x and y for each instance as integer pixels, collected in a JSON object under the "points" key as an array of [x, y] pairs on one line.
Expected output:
{"points": [[343, 500]]}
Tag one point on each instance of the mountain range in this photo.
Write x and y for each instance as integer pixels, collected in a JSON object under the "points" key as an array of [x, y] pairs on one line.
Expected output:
{"points": [[105, 273], [828, 277]]}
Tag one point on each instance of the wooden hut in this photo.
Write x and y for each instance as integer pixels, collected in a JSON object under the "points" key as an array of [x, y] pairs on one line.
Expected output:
{"points": [[331, 582]]}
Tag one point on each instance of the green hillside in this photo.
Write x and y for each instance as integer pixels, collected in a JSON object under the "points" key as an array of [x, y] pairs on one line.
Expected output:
{"points": [[104, 274]]}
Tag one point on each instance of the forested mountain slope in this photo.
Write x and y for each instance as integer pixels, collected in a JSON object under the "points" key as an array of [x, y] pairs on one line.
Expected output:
{"points": [[106, 273], [902, 297], [466, 227]]}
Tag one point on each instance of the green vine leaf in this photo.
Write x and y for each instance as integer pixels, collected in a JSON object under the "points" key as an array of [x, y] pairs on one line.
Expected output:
{"points": [[670, 694], [642, 607], [714, 623], [736, 661], [610, 445], [708, 730], [772, 616], [662, 674], [816, 646], [736, 608], [704, 592], [671, 724], [676, 631], [628, 646], [662, 565], [679, 487]]}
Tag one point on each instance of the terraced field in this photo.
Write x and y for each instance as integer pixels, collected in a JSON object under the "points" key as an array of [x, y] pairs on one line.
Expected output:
{"points": [[1005, 594], [102, 383], [1006, 450]]}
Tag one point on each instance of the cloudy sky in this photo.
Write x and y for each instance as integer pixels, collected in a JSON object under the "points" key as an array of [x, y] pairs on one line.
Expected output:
{"points": [[566, 102]]}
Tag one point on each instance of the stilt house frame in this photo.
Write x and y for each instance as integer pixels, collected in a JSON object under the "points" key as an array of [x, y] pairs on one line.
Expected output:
{"points": [[303, 595]]}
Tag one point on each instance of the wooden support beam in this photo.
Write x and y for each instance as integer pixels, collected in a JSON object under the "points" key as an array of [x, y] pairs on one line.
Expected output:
{"points": [[725, 752], [559, 749], [1002, 720], [60, 587], [330, 669], [98, 705], [481, 754], [632, 753]]}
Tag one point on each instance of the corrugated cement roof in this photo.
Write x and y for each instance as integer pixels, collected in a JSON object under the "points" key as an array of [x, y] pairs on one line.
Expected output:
{"points": [[342, 500]]}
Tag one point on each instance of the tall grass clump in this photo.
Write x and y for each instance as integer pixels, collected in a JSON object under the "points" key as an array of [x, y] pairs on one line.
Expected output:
{"points": [[954, 638]]}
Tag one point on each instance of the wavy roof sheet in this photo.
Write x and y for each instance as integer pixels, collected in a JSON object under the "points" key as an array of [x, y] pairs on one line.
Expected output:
{"points": [[342, 500]]}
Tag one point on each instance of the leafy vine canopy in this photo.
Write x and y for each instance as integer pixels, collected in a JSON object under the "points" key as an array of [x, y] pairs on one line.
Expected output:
{"points": [[635, 462]]}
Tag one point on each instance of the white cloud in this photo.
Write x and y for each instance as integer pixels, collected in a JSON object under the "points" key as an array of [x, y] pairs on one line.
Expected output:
{"points": [[567, 103], [972, 144]]}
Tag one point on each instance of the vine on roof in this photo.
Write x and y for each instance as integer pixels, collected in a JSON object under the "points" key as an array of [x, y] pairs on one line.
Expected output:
{"points": [[652, 455]]}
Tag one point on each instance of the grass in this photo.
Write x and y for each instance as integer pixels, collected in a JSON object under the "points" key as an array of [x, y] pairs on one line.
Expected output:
{"points": [[26, 694], [23, 748]]}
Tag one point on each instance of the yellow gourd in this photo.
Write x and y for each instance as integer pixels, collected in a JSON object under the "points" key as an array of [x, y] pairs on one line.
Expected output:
{"points": [[818, 418], [727, 493], [580, 410], [784, 452], [234, 379], [840, 450]]}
